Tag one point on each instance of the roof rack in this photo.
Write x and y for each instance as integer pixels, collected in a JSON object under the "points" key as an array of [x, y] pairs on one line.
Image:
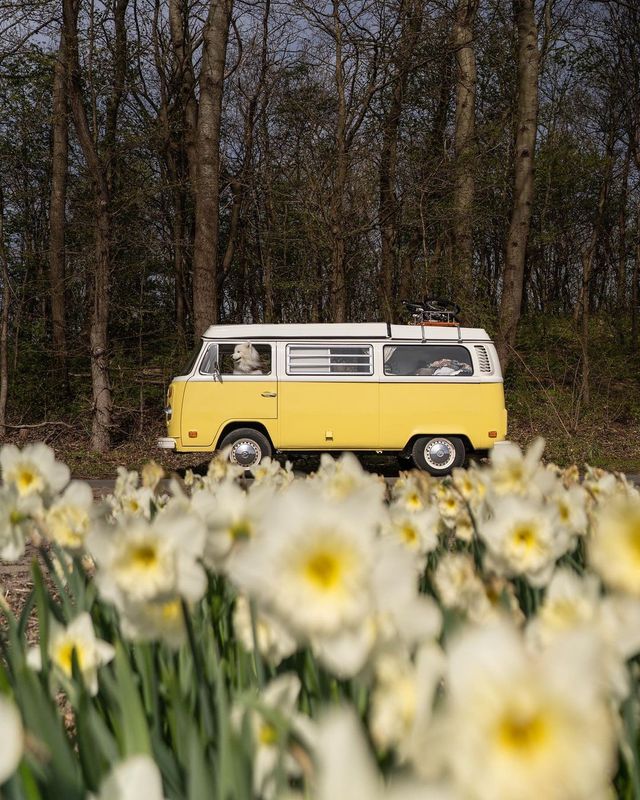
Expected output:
{"points": [[434, 312]]}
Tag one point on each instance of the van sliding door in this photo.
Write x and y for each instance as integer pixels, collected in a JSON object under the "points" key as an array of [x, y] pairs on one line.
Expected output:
{"points": [[328, 397]]}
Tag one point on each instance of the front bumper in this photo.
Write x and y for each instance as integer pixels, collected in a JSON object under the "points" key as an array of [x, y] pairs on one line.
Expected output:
{"points": [[166, 443]]}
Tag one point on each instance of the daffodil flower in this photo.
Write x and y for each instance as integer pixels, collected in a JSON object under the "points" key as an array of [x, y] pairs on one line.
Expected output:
{"points": [[78, 637]]}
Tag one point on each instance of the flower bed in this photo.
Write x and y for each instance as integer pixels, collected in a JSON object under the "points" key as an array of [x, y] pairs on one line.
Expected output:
{"points": [[324, 637]]}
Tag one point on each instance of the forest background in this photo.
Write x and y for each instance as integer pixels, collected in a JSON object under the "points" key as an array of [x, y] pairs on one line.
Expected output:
{"points": [[166, 164]]}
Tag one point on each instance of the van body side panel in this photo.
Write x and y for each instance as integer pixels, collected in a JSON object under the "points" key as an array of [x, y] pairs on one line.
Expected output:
{"points": [[328, 415], [416, 407], [208, 405]]}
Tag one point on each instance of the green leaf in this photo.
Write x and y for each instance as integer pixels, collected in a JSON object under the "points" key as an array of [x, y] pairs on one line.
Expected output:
{"points": [[135, 730], [68, 610], [166, 760], [25, 613], [42, 720], [14, 651], [30, 790], [42, 603], [199, 775]]}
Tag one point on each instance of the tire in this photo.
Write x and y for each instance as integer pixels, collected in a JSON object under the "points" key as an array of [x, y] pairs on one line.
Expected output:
{"points": [[248, 447], [438, 455]]}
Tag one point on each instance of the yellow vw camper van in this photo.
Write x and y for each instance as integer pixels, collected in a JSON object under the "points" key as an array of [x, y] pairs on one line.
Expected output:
{"points": [[433, 394]]}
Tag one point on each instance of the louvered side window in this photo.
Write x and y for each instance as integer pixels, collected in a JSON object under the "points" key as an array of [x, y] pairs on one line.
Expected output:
{"points": [[308, 359], [484, 360]]}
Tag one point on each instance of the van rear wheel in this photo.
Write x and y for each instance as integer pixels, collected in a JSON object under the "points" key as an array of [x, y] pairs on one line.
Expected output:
{"points": [[438, 455], [248, 447]]}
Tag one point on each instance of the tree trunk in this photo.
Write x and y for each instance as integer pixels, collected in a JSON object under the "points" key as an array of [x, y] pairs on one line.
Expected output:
{"points": [[635, 278], [184, 83], [98, 335], [102, 175], [634, 140], [178, 263], [266, 249], [338, 277], [175, 94], [464, 188], [240, 183], [207, 188], [583, 307], [4, 325], [59, 163], [388, 213], [526, 125], [621, 261], [585, 384]]}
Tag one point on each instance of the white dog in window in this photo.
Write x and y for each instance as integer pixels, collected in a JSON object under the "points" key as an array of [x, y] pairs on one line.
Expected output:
{"points": [[246, 359]]}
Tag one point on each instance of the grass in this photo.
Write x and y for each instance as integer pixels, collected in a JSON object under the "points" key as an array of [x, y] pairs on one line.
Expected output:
{"points": [[544, 398]]}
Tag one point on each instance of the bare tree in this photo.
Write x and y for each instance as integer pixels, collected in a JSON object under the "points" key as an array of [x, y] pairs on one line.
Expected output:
{"points": [[207, 185], [59, 165], [351, 109], [338, 278], [101, 169], [184, 82], [526, 127], [4, 324], [177, 115], [240, 182], [635, 280], [464, 186], [410, 14]]}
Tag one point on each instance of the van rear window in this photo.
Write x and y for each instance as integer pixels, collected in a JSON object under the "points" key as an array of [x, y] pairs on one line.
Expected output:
{"points": [[426, 360], [329, 359]]}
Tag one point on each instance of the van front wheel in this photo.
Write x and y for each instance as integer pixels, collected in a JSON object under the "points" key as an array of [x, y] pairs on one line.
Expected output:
{"points": [[438, 455], [248, 447]]}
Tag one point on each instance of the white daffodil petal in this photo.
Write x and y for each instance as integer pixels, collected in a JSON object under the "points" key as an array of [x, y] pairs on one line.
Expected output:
{"points": [[12, 738], [136, 777]]}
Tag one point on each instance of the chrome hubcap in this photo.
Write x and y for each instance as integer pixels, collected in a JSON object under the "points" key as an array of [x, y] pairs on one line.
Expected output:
{"points": [[246, 453], [439, 453]]}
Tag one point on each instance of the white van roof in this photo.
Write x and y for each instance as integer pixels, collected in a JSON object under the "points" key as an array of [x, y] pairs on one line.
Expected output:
{"points": [[348, 330]]}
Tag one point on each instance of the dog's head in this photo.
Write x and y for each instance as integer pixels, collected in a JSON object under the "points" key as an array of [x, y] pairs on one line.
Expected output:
{"points": [[245, 357]]}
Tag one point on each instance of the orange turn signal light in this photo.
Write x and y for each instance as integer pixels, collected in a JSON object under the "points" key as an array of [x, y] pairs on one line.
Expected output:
{"points": [[193, 434], [493, 434]]}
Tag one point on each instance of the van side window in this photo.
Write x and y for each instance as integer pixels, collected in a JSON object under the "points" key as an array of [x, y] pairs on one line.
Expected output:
{"points": [[237, 358], [427, 359], [244, 358], [309, 359]]}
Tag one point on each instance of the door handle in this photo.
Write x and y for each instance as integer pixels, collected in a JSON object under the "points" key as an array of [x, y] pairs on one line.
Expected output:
{"points": [[269, 394]]}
